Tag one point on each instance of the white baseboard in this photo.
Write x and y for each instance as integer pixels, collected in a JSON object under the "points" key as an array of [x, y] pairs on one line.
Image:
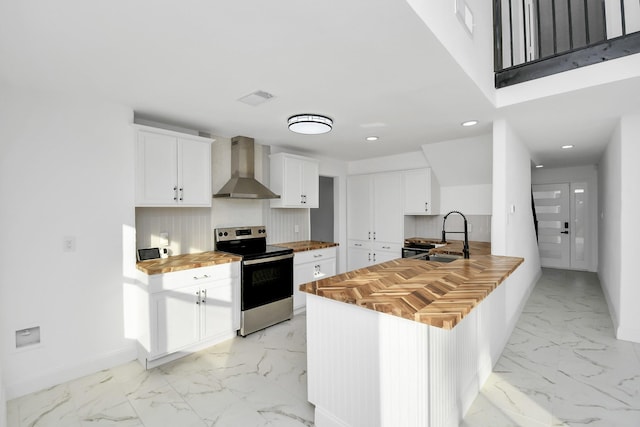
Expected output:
{"points": [[59, 375], [628, 334]]}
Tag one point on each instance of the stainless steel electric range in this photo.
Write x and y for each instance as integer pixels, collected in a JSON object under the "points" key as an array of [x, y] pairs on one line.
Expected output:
{"points": [[267, 276]]}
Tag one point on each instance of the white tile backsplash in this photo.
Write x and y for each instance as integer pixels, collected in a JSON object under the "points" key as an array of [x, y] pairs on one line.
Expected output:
{"points": [[281, 225], [431, 226], [189, 229]]}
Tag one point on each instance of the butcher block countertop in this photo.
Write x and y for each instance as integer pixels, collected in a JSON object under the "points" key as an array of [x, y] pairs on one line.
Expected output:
{"points": [[437, 294], [185, 262], [453, 247], [307, 245]]}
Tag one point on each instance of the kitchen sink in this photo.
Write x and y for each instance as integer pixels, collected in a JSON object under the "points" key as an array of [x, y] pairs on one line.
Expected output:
{"points": [[443, 258]]}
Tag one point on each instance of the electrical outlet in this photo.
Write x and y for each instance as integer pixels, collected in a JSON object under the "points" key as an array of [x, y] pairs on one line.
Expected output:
{"points": [[164, 239], [296, 228]]}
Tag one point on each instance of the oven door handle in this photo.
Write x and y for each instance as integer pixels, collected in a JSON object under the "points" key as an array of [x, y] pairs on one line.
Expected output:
{"points": [[269, 259]]}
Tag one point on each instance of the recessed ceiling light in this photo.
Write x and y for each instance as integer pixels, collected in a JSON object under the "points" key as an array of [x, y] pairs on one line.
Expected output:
{"points": [[469, 123], [539, 166], [310, 124], [566, 147], [372, 138]]}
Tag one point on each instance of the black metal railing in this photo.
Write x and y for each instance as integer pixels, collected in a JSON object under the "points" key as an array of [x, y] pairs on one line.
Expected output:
{"points": [[531, 31]]}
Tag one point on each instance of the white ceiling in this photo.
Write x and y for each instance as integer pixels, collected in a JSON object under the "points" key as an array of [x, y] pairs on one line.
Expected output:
{"points": [[373, 66]]}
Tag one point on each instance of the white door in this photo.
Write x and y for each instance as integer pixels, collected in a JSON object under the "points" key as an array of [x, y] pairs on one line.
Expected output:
{"points": [[554, 219]]}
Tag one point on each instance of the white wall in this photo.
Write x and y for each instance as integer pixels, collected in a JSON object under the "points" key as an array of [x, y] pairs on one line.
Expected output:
{"points": [[474, 52], [338, 170], [3, 400], [568, 81], [578, 174], [66, 169], [512, 228], [403, 161], [618, 231]]}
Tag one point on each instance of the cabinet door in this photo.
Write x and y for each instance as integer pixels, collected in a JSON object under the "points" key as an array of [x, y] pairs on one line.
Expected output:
{"points": [[177, 319], [311, 185], [358, 256], [194, 184], [292, 189], [359, 213], [417, 192], [387, 207], [383, 256], [156, 169], [216, 309], [302, 273]]}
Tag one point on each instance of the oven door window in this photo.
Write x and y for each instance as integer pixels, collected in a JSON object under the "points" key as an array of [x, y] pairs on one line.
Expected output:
{"points": [[267, 282]]}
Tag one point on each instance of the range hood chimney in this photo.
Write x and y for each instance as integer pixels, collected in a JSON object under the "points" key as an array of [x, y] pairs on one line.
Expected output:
{"points": [[242, 184]]}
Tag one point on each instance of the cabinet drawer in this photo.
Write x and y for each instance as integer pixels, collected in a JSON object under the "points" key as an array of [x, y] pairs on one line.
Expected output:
{"points": [[191, 277], [313, 256], [388, 247], [359, 244]]}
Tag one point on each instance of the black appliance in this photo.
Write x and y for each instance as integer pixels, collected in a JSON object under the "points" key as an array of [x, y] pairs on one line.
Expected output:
{"points": [[266, 276], [417, 250]]}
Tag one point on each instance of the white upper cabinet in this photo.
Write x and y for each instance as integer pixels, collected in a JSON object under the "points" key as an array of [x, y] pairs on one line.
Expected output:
{"points": [[296, 179], [421, 192], [172, 169]]}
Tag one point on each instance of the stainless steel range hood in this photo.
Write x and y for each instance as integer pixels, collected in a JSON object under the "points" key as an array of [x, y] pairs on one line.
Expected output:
{"points": [[242, 184]]}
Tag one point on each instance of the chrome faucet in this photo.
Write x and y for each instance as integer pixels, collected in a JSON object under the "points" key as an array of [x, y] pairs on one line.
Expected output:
{"points": [[465, 248]]}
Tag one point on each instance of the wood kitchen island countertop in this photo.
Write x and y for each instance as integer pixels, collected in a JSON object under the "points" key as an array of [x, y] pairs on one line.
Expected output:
{"points": [[307, 245], [433, 293], [185, 262]]}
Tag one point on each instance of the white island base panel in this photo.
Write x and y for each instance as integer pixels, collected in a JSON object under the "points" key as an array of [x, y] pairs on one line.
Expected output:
{"points": [[370, 369]]}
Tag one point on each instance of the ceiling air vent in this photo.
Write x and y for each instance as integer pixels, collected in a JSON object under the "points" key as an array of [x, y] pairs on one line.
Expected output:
{"points": [[256, 98]]}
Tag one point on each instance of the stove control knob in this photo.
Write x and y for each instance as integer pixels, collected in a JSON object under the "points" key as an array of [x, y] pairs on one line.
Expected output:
{"points": [[226, 234], [220, 233]]}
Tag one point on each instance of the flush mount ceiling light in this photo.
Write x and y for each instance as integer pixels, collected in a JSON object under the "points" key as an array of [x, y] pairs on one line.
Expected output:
{"points": [[372, 138], [539, 166], [469, 123], [566, 147], [310, 124]]}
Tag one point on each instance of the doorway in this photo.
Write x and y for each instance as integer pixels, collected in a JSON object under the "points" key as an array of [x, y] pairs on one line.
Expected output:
{"points": [[561, 211], [322, 217]]}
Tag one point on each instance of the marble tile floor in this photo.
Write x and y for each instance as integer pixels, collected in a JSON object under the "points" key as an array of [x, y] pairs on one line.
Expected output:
{"points": [[561, 367], [255, 381]]}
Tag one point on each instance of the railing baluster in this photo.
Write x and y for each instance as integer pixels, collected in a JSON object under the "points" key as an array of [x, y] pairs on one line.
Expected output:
{"points": [[511, 32], [624, 23], [539, 29], [570, 24], [555, 33], [524, 30], [497, 35], [586, 23]]}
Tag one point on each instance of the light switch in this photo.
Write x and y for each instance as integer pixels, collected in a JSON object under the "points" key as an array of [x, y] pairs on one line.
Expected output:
{"points": [[69, 244]]}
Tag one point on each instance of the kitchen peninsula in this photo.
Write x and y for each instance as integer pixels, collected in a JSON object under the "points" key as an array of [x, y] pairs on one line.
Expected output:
{"points": [[406, 342]]}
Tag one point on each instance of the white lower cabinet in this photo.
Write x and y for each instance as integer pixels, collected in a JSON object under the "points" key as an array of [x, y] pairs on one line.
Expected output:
{"points": [[309, 266], [187, 311], [363, 253]]}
